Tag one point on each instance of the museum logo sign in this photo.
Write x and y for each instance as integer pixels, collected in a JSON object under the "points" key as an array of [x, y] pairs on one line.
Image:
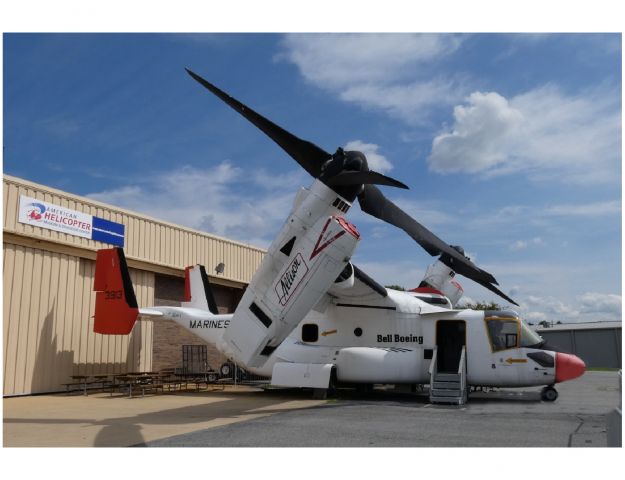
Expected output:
{"points": [[60, 219]]}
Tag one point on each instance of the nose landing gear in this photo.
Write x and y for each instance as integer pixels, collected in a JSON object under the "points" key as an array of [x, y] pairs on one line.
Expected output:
{"points": [[549, 394]]}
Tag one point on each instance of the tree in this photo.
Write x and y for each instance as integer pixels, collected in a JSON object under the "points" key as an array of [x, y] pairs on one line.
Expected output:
{"points": [[482, 306], [395, 287]]}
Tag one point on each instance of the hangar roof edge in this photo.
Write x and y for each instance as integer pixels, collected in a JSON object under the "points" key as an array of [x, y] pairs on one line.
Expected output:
{"points": [[580, 326]]}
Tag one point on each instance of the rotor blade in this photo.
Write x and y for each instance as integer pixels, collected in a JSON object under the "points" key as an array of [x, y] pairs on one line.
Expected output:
{"points": [[347, 178], [373, 202], [307, 154], [498, 292]]}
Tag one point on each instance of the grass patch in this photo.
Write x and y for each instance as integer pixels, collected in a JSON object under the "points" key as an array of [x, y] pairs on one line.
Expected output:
{"points": [[602, 369]]}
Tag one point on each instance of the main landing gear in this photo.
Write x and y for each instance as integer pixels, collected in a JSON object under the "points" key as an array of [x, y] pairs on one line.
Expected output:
{"points": [[549, 394]]}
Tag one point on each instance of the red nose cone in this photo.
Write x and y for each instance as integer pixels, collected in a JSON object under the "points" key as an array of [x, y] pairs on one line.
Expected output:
{"points": [[568, 367]]}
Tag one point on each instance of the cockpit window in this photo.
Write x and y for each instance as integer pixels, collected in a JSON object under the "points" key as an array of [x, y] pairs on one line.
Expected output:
{"points": [[529, 337], [503, 333]]}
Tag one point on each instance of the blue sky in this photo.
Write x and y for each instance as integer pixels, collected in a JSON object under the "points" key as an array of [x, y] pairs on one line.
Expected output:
{"points": [[510, 143]]}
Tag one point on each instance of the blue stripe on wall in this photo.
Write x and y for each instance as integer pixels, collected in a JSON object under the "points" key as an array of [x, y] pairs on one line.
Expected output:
{"points": [[108, 226], [106, 237]]}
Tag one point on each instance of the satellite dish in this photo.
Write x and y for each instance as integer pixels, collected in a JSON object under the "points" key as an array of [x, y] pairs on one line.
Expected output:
{"points": [[220, 268]]}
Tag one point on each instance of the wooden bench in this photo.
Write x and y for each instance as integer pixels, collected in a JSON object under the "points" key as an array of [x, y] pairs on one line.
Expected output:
{"points": [[146, 387], [83, 386], [129, 383], [207, 383]]}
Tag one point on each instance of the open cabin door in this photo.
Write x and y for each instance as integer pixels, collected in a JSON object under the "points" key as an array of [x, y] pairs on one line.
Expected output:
{"points": [[450, 338]]}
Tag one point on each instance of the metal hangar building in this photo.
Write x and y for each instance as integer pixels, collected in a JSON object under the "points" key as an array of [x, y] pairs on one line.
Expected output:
{"points": [[50, 239]]}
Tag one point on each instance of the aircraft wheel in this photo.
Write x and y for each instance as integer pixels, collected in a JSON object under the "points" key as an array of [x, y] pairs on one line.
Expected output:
{"points": [[212, 377], [549, 394], [226, 370]]}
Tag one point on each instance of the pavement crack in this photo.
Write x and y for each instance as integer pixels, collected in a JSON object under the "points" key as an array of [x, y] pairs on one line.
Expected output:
{"points": [[581, 423]]}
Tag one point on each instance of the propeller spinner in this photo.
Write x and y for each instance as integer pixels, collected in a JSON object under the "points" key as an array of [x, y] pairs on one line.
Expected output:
{"points": [[348, 174]]}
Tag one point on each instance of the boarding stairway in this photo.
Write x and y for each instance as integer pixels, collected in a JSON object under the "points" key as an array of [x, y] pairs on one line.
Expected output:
{"points": [[448, 387]]}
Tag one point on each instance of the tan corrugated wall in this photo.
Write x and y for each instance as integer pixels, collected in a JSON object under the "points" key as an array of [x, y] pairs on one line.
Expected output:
{"points": [[48, 301], [48, 324]]}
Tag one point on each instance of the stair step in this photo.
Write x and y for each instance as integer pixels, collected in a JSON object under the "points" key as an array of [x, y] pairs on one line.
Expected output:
{"points": [[445, 393], [446, 377], [452, 400], [447, 385]]}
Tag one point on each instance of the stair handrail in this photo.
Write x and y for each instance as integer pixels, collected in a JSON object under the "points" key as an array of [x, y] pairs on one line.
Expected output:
{"points": [[433, 366], [432, 369], [462, 368]]}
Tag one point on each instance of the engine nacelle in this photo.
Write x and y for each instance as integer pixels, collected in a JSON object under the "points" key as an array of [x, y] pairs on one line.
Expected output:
{"points": [[440, 277], [310, 252], [378, 365]]}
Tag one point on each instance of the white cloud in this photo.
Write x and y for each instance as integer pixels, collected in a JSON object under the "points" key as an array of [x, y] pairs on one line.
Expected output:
{"points": [[376, 161], [224, 200], [544, 133], [380, 70], [476, 141], [409, 102], [514, 215], [588, 307], [523, 244], [601, 303], [340, 60], [584, 210], [406, 274]]}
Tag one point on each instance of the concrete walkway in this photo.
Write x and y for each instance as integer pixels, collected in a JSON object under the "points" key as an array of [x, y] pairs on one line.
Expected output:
{"points": [[99, 420]]}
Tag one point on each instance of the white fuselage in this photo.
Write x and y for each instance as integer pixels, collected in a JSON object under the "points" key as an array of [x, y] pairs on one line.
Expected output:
{"points": [[303, 317], [382, 340]]}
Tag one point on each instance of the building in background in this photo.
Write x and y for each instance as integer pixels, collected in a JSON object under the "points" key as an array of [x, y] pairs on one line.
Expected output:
{"points": [[49, 244], [598, 344]]}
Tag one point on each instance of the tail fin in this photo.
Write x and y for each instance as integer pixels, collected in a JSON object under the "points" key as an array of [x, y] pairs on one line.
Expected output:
{"points": [[116, 307], [197, 290]]}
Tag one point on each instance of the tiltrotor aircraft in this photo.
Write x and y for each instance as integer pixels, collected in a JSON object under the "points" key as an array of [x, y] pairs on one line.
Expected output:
{"points": [[310, 318]]}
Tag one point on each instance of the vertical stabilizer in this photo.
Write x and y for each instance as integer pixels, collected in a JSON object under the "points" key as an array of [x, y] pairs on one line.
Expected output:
{"points": [[197, 290], [116, 307]]}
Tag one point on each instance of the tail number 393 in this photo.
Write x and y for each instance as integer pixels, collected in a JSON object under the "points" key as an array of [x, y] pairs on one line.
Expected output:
{"points": [[113, 294]]}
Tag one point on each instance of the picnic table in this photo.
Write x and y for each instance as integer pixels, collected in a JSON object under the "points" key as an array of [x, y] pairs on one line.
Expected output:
{"points": [[85, 381], [133, 382], [143, 381]]}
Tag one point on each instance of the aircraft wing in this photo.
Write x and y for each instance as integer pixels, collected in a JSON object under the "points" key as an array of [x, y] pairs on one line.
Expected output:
{"points": [[362, 281], [364, 287]]}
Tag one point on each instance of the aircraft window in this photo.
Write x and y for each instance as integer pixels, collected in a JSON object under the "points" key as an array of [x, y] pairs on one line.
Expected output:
{"points": [[503, 334], [358, 331], [310, 332], [529, 337]]}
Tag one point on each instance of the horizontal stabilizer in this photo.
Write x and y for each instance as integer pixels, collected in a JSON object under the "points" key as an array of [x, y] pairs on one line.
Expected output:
{"points": [[150, 312], [116, 307]]}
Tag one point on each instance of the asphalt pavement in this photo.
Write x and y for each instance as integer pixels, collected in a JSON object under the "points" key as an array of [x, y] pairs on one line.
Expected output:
{"points": [[385, 418]]}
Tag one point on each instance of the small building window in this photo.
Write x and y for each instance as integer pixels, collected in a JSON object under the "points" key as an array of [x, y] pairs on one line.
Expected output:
{"points": [[310, 332]]}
